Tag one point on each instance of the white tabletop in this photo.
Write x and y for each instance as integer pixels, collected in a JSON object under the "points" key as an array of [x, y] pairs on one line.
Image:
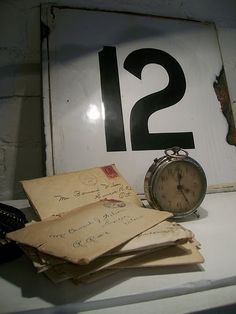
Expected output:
{"points": [[169, 290]]}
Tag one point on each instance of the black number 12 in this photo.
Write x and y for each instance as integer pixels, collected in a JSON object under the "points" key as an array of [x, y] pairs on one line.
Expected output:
{"points": [[141, 139]]}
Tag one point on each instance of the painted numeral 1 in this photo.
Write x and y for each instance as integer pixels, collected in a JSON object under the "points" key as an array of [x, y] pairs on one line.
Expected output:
{"points": [[114, 124]]}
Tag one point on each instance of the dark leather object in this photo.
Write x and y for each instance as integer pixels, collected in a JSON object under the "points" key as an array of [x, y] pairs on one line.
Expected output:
{"points": [[11, 219]]}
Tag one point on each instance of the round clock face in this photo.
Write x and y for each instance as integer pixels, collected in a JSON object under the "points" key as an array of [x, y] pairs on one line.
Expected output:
{"points": [[179, 187]]}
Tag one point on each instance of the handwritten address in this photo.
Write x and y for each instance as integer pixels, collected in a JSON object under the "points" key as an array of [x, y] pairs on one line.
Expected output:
{"points": [[84, 234], [91, 239], [105, 191]]}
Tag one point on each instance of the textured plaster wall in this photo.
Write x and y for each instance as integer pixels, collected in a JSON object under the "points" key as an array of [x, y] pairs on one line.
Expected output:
{"points": [[21, 140], [21, 117]]}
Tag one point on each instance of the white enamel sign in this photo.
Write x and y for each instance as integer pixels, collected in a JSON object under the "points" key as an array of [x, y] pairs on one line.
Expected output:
{"points": [[121, 88]]}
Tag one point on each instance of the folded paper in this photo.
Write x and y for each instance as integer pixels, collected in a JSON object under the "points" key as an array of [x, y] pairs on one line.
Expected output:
{"points": [[60, 193], [184, 254], [85, 233], [164, 234]]}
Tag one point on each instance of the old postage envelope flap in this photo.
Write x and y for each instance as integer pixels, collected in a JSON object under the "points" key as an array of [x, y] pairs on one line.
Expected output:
{"points": [[85, 233], [63, 192], [164, 234]]}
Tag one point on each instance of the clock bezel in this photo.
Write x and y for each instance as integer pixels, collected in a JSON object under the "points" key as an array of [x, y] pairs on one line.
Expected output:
{"points": [[155, 171]]}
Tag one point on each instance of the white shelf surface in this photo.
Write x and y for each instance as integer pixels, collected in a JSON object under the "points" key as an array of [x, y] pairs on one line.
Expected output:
{"points": [[168, 290]]}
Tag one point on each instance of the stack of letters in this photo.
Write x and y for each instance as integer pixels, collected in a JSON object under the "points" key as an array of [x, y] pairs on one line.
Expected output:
{"points": [[93, 224]]}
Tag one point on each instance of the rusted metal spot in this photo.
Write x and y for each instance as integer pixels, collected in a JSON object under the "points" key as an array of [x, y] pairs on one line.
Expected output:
{"points": [[221, 90]]}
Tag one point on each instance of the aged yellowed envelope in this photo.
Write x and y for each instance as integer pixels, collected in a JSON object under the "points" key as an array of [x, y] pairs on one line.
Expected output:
{"points": [[60, 193], [184, 254], [164, 234], [41, 261], [55, 276], [69, 270], [85, 233]]}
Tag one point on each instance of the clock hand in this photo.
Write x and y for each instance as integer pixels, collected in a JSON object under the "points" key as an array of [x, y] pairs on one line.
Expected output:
{"points": [[184, 196], [180, 188], [179, 177]]}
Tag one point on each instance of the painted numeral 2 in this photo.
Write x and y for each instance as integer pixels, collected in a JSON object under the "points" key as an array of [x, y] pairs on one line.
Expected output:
{"points": [[141, 139]]}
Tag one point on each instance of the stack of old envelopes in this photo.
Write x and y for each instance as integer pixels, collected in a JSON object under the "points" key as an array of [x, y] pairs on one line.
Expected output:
{"points": [[93, 224]]}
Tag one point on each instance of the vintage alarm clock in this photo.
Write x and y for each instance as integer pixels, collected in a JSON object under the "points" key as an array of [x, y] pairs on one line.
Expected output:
{"points": [[175, 183]]}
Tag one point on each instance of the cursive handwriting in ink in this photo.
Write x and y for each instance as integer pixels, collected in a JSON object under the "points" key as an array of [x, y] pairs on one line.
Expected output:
{"points": [[61, 198], [89, 240], [110, 185], [58, 236]]}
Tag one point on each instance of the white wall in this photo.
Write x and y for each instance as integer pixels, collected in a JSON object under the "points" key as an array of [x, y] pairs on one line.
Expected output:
{"points": [[21, 122]]}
